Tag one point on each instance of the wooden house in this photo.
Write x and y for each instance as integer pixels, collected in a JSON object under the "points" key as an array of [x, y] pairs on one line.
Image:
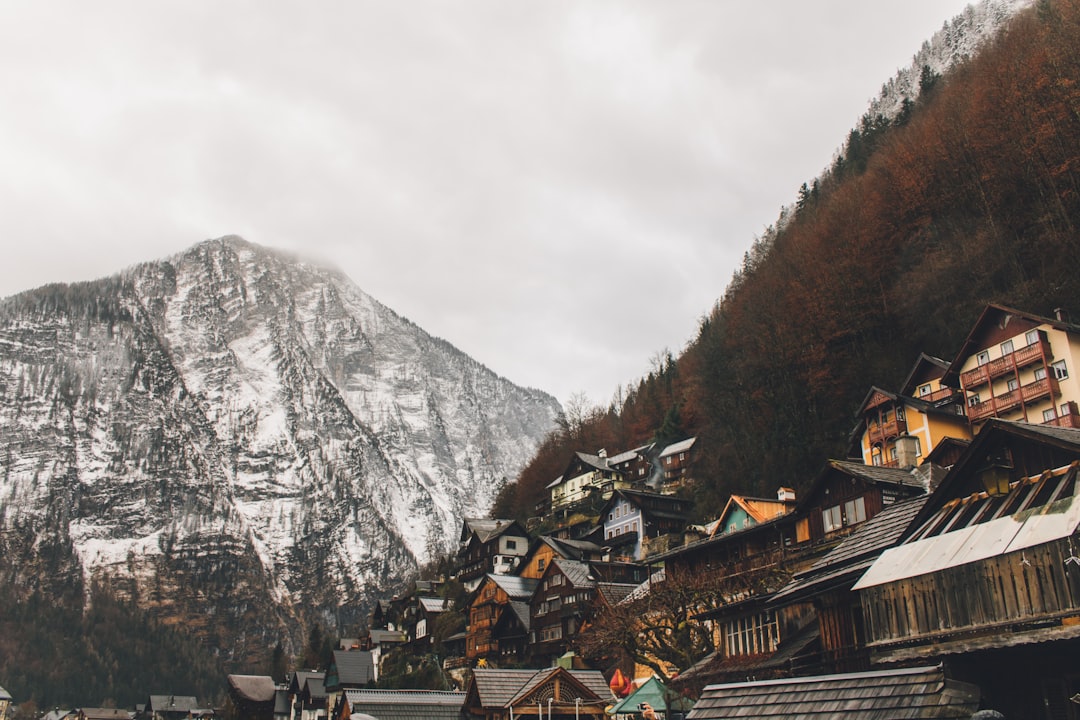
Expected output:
{"points": [[924, 411], [634, 465], [676, 463], [988, 575], [560, 606], [489, 601], [846, 494], [743, 511], [489, 546], [827, 585], [1016, 365], [548, 548], [551, 692]]}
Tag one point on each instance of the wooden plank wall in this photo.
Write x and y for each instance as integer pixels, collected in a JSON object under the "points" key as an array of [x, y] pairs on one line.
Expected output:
{"points": [[1036, 583]]}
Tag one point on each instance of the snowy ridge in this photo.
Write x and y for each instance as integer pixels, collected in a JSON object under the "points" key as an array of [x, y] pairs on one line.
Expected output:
{"points": [[235, 435]]}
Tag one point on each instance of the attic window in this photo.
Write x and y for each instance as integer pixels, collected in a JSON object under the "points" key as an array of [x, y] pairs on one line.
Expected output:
{"points": [[924, 389]]}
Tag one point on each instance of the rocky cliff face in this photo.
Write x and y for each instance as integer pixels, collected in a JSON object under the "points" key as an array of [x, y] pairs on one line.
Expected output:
{"points": [[242, 442]]}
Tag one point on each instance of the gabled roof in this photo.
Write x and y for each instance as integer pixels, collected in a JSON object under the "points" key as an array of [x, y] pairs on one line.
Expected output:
{"points": [[407, 704], [651, 503], [300, 677], [629, 454], [256, 688], [760, 509], [487, 530], [517, 588], [314, 687], [433, 605], [497, 688], [658, 696], [518, 613], [105, 714], [926, 368], [681, 446], [614, 593], [855, 554], [893, 694], [999, 314], [354, 667], [576, 573], [873, 474]]}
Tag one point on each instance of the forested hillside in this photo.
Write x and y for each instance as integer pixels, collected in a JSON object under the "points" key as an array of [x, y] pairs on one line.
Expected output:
{"points": [[970, 195]]}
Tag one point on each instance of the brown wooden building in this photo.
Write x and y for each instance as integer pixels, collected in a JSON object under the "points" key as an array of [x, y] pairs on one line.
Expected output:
{"points": [[489, 601], [551, 692]]}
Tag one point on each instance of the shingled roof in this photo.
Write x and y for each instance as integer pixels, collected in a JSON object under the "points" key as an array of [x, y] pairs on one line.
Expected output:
{"points": [[256, 688], [894, 694], [406, 704]]}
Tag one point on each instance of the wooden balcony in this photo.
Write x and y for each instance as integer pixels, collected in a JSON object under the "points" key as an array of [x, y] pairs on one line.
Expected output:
{"points": [[1006, 364], [1023, 395], [945, 393], [878, 434], [1070, 419]]}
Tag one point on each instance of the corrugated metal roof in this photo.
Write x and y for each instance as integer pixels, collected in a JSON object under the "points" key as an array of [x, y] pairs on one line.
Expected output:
{"points": [[894, 694], [975, 542], [433, 604]]}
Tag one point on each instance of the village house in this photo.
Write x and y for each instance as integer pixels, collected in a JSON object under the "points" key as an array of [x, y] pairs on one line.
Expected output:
{"points": [[253, 697], [676, 463], [496, 694], [924, 412], [175, 707], [489, 601], [404, 704], [632, 516], [587, 479], [1019, 366], [489, 546], [987, 576]]}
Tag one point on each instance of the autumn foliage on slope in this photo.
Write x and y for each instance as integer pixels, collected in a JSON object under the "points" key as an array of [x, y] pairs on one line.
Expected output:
{"points": [[972, 196]]}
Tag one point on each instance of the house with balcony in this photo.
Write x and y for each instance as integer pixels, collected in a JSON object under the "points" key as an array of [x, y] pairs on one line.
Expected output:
{"points": [[987, 576], [587, 480], [489, 546], [744, 511], [676, 462], [633, 517], [924, 410], [1019, 366]]}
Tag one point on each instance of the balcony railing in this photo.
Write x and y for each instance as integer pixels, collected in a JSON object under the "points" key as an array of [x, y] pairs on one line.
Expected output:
{"points": [[1025, 394], [940, 394], [1006, 364], [887, 430], [1069, 417]]}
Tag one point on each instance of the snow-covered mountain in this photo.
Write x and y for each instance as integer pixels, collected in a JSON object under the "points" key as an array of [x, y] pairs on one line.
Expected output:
{"points": [[957, 40], [243, 442]]}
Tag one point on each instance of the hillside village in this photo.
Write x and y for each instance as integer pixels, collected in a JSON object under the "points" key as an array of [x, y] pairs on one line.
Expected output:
{"points": [[936, 563], [934, 568]]}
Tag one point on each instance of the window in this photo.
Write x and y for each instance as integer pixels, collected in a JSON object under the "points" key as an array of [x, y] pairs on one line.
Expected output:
{"points": [[973, 399], [1060, 371], [1006, 347], [752, 635], [854, 511], [1066, 409], [556, 580], [900, 414], [924, 389], [1031, 337], [667, 460], [540, 564], [1048, 415], [682, 456], [511, 544], [732, 528], [1040, 374], [892, 453], [983, 357], [831, 519], [1012, 384], [421, 628], [633, 527]]}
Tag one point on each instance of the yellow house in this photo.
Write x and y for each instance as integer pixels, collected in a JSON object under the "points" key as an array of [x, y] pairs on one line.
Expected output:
{"points": [[925, 410], [1019, 366]]}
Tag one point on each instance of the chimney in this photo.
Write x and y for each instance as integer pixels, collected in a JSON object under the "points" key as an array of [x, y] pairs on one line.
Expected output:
{"points": [[785, 494], [1061, 314], [906, 451]]}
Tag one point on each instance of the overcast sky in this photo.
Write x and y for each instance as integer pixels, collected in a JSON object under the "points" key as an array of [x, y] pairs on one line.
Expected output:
{"points": [[560, 189]]}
